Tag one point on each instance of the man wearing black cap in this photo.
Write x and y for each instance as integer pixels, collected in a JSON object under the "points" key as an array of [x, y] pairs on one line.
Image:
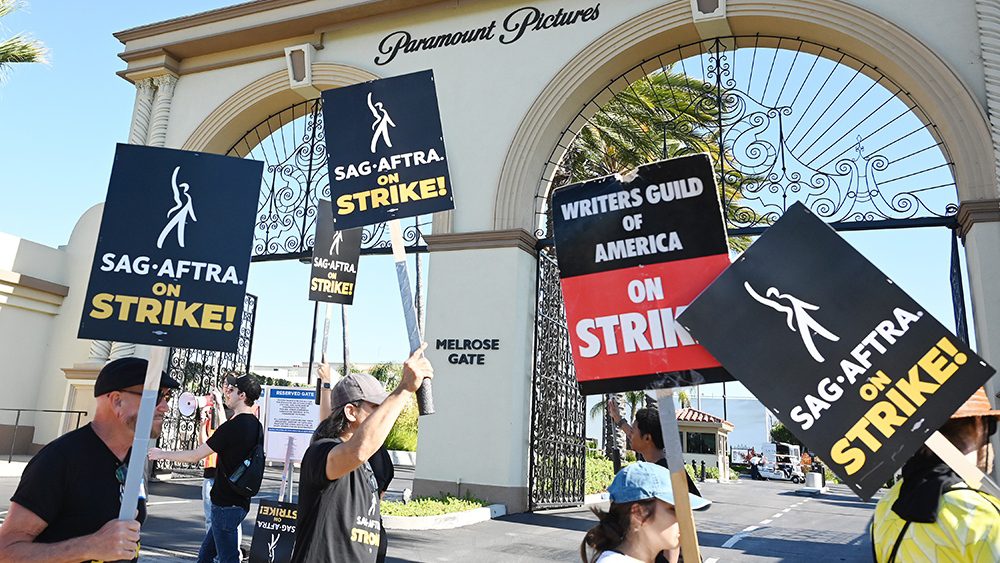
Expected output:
{"points": [[338, 517], [233, 441], [66, 506]]}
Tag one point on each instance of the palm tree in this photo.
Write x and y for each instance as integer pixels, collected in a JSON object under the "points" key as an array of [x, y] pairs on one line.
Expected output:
{"points": [[633, 400], [684, 399], [661, 115], [20, 48]]}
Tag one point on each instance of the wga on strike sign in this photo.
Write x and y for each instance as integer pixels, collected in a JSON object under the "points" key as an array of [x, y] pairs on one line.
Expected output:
{"points": [[841, 355], [632, 254]]}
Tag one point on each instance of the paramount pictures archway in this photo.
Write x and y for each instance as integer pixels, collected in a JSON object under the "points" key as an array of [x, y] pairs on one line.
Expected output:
{"points": [[526, 420]]}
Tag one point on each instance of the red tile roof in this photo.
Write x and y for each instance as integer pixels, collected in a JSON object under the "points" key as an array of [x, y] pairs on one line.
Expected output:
{"points": [[695, 415]]}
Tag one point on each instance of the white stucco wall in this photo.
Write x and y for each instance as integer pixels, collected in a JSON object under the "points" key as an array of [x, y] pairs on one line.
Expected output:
{"points": [[27, 317]]}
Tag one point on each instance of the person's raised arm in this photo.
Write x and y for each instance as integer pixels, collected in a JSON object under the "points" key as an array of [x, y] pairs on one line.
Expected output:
{"points": [[182, 456], [367, 439], [323, 372], [616, 416], [117, 540]]}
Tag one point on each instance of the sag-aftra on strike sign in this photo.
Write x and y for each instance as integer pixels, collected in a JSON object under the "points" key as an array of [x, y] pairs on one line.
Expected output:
{"points": [[852, 365], [632, 254], [386, 152]]}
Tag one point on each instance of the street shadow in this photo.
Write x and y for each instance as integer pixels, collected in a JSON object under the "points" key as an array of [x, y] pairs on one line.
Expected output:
{"points": [[580, 522]]}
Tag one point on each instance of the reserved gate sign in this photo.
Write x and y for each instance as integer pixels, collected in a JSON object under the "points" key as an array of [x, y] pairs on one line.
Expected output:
{"points": [[845, 359], [173, 251], [633, 252]]}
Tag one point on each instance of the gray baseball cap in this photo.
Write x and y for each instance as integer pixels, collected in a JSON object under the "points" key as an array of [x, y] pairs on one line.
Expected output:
{"points": [[357, 387]]}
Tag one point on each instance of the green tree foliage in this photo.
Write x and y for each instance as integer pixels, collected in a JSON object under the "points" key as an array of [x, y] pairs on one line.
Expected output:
{"points": [[684, 399], [664, 114], [779, 433], [634, 400], [20, 48]]}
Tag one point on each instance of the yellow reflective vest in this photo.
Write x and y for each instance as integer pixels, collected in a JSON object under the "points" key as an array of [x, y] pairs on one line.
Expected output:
{"points": [[967, 528]]}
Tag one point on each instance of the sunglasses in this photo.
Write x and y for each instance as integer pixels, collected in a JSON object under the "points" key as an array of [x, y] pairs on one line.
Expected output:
{"points": [[160, 395]]}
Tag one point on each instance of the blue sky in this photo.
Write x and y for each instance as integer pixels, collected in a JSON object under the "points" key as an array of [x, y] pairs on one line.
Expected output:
{"points": [[61, 122]]}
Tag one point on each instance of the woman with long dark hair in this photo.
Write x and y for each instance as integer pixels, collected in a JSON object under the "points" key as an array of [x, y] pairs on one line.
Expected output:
{"points": [[640, 523]]}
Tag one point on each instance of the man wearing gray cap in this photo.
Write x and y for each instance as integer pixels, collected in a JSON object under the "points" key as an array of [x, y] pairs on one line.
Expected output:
{"points": [[66, 506], [338, 517]]}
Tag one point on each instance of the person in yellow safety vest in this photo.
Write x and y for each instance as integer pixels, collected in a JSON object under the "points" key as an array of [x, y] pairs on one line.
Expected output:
{"points": [[931, 514]]}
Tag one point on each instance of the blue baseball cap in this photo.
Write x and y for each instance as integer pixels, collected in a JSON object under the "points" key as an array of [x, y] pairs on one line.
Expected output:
{"points": [[642, 480]]}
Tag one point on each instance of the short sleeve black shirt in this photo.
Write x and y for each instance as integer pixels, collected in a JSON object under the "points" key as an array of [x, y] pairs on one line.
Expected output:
{"points": [[337, 520], [72, 484], [233, 441]]}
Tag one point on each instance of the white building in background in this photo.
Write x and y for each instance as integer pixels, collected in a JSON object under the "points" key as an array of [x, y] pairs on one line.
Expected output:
{"points": [[298, 374]]}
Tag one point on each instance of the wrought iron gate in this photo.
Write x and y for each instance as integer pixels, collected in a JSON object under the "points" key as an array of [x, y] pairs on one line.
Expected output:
{"points": [[558, 448], [199, 371], [785, 120]]}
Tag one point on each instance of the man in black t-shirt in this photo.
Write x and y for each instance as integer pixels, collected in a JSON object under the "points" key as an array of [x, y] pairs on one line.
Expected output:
{"points": [[338, 517], [233, 441], [66, 506]]}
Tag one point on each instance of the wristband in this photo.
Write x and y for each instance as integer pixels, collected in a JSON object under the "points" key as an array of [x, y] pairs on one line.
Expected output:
{"points": [[620, 422]]}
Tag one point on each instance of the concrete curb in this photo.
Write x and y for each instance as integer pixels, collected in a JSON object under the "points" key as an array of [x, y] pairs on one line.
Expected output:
{"points": [[597, 498], [401, 457], [444, 521]]}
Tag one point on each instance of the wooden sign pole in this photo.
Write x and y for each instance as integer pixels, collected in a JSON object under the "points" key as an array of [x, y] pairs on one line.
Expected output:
{"points": [[675, 460], [966, 469]]}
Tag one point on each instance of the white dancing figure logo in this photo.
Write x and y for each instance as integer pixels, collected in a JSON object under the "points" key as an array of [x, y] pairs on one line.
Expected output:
{"points": [[381, 124], [797, 316], [272, 545], [338, 237], [181, 211]]}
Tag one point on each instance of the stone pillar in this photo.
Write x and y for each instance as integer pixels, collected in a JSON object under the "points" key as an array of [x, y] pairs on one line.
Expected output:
{"points": [[980, 220], [481, 286], [161, 109], [980, 224], [141, 111], [100, 351]]}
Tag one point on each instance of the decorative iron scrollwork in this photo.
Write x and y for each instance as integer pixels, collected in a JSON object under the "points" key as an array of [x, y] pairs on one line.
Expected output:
{"points": [[785, 120], [292, 145]]}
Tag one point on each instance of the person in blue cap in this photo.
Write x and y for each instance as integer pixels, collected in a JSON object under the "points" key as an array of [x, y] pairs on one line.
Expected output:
{"points": [[640, 522]]}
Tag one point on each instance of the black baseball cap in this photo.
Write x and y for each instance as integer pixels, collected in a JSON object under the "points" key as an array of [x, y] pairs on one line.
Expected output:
{"points": [[127, 372], [247, 384]]}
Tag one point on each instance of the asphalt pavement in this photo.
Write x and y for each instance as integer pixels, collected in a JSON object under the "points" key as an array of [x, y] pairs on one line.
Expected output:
{"points": [[751, 521]]}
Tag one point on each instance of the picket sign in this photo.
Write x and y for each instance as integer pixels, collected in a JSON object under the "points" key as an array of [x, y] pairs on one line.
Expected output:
{"points": [[143, 428], [425, 400], [968, 471], [326, 339], [672, 450]]}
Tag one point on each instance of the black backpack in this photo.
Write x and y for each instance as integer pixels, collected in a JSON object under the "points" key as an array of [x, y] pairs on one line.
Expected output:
{"points": [[245, 480]]}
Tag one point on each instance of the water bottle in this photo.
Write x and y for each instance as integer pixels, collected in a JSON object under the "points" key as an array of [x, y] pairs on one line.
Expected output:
{"points": [[239, 471]]}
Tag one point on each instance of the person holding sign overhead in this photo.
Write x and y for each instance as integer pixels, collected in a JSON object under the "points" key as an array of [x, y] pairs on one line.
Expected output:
{"points": [[339, 506], [931, 513], [640, 522], [66, 506]]}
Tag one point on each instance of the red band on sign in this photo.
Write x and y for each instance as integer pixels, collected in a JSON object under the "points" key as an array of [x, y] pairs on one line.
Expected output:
{"points": [[621, 323]]}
